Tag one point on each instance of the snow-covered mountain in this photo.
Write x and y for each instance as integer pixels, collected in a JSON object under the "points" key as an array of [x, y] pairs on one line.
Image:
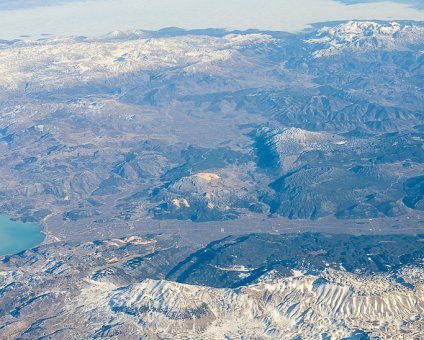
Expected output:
{"points": [[363, 36], [259, 136], [331, 304], [252, 286], [59, 63]]}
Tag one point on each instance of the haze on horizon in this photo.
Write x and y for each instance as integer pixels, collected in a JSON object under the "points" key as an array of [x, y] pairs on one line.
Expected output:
{"points": [[96, 17]]}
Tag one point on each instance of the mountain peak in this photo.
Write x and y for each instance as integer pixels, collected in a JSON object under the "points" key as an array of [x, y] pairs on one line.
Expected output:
{"points": [[365, 36]]}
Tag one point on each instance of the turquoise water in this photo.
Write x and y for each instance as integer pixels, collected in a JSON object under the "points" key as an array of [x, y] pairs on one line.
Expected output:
{"points": [[17, 236]]}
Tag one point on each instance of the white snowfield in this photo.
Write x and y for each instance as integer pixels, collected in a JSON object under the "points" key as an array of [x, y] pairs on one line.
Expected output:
{"points": [[58, 63], [334, 303], [365, 36]]}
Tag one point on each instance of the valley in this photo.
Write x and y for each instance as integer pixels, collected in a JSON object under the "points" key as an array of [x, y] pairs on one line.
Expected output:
{"points": [[215, 184], [284, 135]]}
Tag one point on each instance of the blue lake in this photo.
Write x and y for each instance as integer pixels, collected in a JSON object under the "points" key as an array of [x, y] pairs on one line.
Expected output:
{"points": [[17, 236]]}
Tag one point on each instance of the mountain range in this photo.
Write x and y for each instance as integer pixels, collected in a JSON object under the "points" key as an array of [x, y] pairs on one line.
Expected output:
{"points": [[216, 184]]}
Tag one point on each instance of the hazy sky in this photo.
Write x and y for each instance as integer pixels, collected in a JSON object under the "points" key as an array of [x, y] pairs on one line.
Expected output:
{"points": [[415, 3], [95, 17]]}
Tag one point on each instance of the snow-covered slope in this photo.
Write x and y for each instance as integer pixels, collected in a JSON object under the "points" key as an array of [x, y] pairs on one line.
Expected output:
{"points": [[366, 35], [286, 145], [335, 304], [252, 286], [58, 63], [332, 304]]}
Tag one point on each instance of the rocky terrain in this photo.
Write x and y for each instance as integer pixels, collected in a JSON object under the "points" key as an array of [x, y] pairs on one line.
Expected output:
{"points": [[100, 137], [215, 150], [312, 164], [252, 286]]}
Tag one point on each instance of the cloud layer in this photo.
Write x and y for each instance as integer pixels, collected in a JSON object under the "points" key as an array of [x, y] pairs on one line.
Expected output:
{"points": [[96, 17], [22, 4], [415, 3]]}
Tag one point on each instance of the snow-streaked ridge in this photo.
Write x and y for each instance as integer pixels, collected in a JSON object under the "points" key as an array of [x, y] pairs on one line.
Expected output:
{"points": [[333, 302]]}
